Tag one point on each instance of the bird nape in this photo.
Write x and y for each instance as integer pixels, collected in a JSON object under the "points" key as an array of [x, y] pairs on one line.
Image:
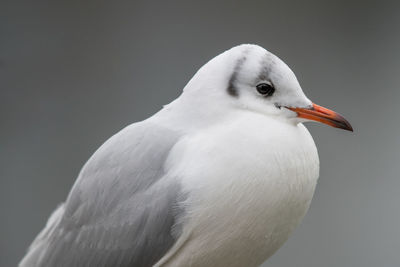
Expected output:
{"points": [[219, 177]]}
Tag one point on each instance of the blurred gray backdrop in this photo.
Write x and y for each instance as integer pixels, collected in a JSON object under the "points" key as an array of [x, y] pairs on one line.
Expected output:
{"points": [[72, 73]]}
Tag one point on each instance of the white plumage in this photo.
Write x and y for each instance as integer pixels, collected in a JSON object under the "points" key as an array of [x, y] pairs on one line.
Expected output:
{"points": [[219, 177]]}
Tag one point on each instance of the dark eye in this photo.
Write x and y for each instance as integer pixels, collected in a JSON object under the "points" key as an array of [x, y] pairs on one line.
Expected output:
{"points": [[265, 89]]}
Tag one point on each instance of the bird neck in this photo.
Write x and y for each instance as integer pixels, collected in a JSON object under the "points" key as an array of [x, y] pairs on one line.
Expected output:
{"points": [[190, 112]]}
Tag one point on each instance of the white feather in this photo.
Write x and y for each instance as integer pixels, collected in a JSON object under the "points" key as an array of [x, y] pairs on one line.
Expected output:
{"points": [[239, 166]]}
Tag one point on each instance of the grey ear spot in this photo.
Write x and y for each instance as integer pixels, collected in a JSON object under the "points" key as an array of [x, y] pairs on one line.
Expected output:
{"points": [[231, 89]]}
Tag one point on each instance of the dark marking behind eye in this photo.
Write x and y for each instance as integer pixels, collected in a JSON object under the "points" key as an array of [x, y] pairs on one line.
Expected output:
{"points": [[231, 89], [231, 86], [266, 64]]}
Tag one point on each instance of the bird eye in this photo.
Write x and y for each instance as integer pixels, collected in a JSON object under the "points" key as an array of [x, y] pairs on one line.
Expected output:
{"points": [[265, 89]]}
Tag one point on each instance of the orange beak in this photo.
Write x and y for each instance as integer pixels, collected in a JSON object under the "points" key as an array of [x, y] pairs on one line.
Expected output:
{"points": [[324, 115]]}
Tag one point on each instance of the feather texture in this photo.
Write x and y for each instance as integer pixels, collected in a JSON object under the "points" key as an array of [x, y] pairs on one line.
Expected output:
{"points": [[122, 209]]}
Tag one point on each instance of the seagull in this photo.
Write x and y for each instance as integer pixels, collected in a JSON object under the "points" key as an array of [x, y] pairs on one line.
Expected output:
{"points": [[219, 177]]}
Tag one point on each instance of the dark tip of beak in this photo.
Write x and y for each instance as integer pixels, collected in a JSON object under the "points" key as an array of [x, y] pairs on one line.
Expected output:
{"points": [[342, 123]]}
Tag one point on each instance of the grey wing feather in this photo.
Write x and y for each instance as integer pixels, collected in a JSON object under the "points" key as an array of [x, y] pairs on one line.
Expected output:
{"points": [[123, 209]]}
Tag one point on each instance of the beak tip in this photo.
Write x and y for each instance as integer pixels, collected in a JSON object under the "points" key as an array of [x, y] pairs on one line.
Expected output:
{"points": [[345, 125], [350, 129]]}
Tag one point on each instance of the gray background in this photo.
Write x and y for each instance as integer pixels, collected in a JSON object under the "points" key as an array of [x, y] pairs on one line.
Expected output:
{"points": [[72, 73]]}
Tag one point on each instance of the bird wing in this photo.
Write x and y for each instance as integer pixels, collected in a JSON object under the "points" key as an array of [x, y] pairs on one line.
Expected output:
{"points": [[123, 210]]}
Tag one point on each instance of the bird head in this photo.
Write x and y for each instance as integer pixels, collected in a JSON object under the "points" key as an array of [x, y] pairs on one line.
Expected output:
{"points": [[250, 77]]}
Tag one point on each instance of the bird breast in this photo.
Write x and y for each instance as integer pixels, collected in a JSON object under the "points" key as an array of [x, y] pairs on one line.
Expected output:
{"points": [[250, 181]]}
